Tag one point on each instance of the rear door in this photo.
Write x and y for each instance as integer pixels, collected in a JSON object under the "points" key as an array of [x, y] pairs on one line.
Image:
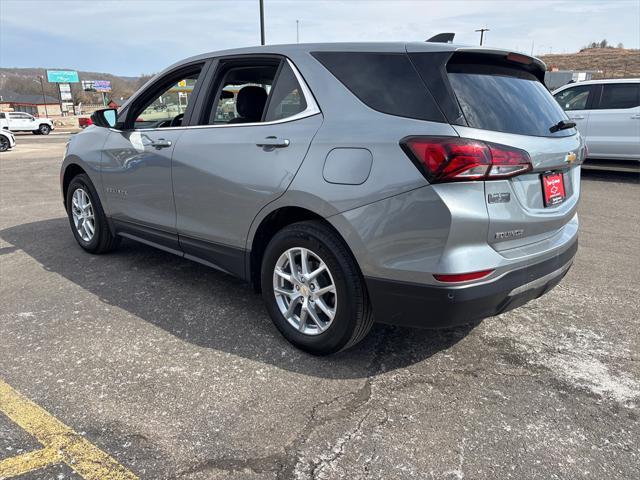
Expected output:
{"points": [[504, 101], [614, 126], [254, 131]]}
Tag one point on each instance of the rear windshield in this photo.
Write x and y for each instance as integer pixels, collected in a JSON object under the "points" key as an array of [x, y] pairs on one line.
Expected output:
{"points": [[505, 100]]}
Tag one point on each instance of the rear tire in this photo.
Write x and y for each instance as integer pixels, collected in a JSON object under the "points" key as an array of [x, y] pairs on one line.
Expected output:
{"points": [[318, 332], [44, 129], [4, 143], [86, 217]]}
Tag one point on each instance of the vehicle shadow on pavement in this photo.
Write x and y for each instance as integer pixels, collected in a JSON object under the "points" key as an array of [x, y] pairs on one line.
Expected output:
{"points": [[209, 308]]}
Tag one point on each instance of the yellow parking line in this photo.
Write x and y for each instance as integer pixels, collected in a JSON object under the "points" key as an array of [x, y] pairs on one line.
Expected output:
{"points": [[27, 462], [82, 456]]}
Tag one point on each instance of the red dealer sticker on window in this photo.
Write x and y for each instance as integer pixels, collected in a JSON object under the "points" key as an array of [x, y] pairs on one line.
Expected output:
{"points": [[553, 189]]}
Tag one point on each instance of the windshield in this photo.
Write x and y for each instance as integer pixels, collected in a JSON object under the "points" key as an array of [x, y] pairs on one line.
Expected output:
{"points": [[517, 104]]}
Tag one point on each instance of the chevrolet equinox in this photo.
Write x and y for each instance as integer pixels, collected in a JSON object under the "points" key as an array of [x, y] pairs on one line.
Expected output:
{"points": [[418, 184]]}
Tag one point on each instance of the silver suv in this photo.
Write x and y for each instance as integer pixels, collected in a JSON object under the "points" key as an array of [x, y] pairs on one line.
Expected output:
{"points": [[417, 184]]}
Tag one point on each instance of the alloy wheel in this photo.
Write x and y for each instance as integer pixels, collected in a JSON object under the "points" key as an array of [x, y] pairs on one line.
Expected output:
{"points": [[305, 291], [83, 215]]}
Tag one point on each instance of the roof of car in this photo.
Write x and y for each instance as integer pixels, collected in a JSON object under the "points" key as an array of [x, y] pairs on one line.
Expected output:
{"points": [[285, 49], [606, 80]]}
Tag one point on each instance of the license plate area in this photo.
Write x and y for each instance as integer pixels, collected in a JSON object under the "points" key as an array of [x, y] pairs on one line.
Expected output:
{"points": [[553, 190]]}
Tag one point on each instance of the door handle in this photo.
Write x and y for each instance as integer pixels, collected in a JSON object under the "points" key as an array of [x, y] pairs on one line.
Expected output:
{"points": [[274, 142], [576, 117], [160, 143]]}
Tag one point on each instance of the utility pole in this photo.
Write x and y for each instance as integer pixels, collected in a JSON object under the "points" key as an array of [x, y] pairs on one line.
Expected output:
{"points": [[297, 31], [482, 30], [261, 22], [44, 99]]}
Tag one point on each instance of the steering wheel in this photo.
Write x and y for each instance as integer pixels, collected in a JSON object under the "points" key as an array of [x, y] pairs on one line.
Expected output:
{"points": [[177, 120]]}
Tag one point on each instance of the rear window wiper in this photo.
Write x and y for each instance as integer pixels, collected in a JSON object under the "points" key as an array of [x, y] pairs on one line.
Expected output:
{"points": [[561, 125]]}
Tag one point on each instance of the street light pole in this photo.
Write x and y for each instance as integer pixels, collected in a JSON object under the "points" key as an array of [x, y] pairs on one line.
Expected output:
{"points": [[261, 22], [482, 30], [44, 99], [297, 31]]}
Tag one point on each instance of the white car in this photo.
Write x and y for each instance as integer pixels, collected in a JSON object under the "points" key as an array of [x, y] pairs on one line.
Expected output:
{"points": [[607, 114], [7, 140], [23, 122]]}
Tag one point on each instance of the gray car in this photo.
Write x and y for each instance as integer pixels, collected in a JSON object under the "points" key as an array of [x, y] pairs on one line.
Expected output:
{"points": [[416, 184]]}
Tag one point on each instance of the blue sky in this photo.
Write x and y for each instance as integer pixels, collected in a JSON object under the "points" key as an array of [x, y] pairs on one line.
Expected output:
{"points": [[143, 36]]}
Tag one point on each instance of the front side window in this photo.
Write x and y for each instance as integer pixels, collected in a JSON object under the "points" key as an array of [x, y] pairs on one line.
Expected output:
{"points": [[166, 104], [574, 98], [620, 95]]}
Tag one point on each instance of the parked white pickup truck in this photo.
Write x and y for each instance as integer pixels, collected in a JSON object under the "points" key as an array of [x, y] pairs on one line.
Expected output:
{"points": [[23, 122]]}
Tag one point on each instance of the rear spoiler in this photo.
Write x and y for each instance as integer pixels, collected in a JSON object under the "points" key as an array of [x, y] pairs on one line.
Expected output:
{"points": [[532, 64]]}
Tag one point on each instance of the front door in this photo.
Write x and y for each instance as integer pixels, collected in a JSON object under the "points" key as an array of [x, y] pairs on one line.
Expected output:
{"points": [[21, 121], [136, 159], [253, 137]]}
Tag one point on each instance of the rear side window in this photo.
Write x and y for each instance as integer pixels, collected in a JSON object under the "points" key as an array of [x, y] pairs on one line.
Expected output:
{"points": [[506, 100], [386, 82], [620, 95], [574, 98], [286, 98]]}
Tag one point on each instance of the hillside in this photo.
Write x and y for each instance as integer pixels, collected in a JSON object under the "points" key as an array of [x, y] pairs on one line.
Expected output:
{"points": [[610, 62], [25, 80]]}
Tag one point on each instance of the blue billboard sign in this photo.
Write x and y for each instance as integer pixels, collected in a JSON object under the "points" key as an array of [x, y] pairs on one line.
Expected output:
{"points": [[62, 76], [102, 85]]}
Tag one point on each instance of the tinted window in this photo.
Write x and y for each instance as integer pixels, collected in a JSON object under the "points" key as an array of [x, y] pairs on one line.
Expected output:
{"points": [[386, 82], [241, 92], [287, 98], [620, 95], [574, 98], [511, 103]]}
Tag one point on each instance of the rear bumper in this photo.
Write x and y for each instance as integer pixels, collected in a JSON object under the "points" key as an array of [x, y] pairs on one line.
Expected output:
{"points": [[428, 306]]}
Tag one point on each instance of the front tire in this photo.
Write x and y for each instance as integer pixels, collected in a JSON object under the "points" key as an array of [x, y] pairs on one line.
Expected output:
{"points": [[313, 289], [86, 217], [4, 143], [44, 129]]}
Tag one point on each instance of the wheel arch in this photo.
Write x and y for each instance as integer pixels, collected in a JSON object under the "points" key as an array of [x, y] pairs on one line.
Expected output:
{"points": [[269, 225], [70, 171]]}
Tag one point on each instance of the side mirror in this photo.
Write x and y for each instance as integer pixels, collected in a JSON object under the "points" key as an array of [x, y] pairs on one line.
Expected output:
{"points": [[107, 117]]}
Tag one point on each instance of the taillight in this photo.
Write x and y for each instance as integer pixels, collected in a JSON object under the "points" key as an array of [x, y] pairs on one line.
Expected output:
{"points": [[461, 277], [454, 159]]}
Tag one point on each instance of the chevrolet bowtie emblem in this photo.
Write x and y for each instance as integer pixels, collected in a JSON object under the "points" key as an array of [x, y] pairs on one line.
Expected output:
{"points": [[571, 157]]}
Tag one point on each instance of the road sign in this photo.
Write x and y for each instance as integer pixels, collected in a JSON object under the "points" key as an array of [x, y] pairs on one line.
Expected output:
{"points": [[62, 76], [65, 91]]}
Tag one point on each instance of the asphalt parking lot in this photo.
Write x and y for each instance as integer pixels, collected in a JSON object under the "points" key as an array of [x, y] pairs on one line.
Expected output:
{"points": [[175, 370]]}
